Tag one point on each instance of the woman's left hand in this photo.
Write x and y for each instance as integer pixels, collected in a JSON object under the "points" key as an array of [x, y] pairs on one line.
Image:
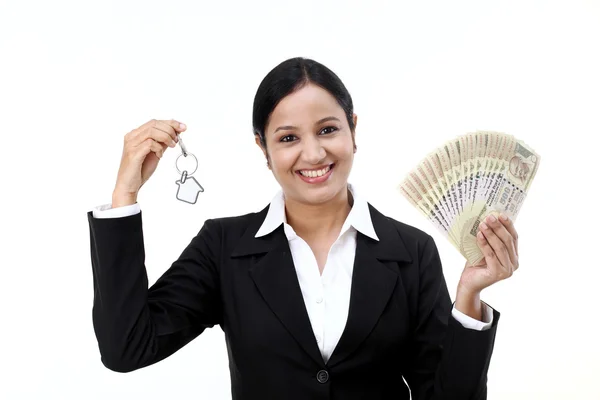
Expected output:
{"points": [[498, 241]]}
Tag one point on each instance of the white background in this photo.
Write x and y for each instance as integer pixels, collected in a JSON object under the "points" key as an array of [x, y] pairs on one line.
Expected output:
{"points": [[76, 76]]}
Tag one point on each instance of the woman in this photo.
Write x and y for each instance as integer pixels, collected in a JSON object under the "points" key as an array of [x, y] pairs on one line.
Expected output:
{"points": [[320, 296]]}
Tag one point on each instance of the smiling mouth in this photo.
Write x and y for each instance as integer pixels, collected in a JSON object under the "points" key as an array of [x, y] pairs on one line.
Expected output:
{"points": [[315, 173]]}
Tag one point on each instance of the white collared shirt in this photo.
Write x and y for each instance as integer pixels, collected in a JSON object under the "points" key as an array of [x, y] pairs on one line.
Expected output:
{"points": [[326, 296]]}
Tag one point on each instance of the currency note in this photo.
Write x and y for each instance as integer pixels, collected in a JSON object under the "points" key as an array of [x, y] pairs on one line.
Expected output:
{"points": [[449, 177], [507, 194], [428, 169], [436, 165], [468, 178]]}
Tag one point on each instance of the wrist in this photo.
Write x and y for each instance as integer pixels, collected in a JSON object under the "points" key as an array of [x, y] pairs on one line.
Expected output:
{"points": [[123, 199], [469, 303]]}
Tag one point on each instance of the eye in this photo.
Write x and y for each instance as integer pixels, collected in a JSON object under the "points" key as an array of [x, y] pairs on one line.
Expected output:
{"points": [[287, 138], [333, 129]]}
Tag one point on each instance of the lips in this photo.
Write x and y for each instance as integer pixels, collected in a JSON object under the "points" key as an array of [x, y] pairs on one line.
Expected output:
{"points": [[316, 175]]}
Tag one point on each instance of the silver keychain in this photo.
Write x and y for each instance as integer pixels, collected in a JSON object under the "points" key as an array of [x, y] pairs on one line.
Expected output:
{"points": [[188, 187]]}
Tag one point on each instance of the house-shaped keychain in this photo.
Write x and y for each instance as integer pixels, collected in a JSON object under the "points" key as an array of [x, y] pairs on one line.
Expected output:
{"points": [[188, 189]]}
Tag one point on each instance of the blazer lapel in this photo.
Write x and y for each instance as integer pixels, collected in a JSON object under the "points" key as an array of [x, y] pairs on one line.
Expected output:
{"points": [[373, 283], [274, 274]]}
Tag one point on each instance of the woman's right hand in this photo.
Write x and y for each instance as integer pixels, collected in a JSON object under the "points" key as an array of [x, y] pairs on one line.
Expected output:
{"points": [[143, 147]]}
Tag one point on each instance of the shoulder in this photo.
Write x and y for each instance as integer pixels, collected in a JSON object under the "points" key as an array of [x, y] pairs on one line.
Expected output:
{"points": [[402, 228], [390, 230], [228, 227], [410, 243]]}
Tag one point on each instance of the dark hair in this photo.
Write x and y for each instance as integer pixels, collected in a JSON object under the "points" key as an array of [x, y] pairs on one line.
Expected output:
{"points": [[286, 78]]}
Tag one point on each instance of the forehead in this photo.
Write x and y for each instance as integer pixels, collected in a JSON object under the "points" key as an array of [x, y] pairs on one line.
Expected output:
{"points": [[305, 105]]}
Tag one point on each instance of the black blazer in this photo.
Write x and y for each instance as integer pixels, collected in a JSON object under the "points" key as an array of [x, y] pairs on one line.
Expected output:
{"points": [[399, 323]]}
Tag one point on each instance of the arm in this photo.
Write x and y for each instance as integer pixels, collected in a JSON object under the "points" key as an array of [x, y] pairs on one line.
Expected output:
{"points": [[136, 326], [448, 361]]}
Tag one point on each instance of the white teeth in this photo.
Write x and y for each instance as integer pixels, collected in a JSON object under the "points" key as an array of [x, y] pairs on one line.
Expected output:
{"points": [[314, 174]]}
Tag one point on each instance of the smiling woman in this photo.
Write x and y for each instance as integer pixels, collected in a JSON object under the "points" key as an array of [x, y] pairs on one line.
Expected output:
{"points": [[320, 295], [305, 125]]}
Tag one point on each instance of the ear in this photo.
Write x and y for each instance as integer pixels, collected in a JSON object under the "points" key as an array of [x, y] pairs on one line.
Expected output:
{"points": [[355, 120], [259, 144]]}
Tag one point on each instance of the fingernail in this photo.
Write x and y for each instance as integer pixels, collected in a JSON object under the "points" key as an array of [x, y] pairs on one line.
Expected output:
{"points": [[504, 217], [173, 143], [484, 225], [491, 218], [182, 125]]}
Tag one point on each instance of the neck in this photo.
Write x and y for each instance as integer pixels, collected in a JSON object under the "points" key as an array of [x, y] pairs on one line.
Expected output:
{"points": [[319, 220]]}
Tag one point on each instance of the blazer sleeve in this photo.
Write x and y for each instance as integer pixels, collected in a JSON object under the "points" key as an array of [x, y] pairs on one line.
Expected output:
{"points": [[448, 361], [137, 326]]}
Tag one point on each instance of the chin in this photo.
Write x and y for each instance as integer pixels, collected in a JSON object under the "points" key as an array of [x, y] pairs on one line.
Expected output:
{"points": [[319, 194]]}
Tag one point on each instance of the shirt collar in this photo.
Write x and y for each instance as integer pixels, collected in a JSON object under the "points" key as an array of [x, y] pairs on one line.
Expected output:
{"points": [[359, 217]]}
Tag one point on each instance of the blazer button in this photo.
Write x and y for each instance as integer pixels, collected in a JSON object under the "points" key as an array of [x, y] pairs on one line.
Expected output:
{"points": [[322, 376]]}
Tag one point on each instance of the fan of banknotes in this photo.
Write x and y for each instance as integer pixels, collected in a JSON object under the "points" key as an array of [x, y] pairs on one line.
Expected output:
{"points": [[459, 184]]}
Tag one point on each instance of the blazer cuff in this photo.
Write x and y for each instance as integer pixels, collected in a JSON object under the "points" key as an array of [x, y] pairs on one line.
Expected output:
{"points": [[466, 359], [472, 323], [106, 211]]}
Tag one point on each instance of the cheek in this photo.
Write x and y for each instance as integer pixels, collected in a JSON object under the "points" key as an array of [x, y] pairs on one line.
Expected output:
{"points": [[343, 150], [283, 159]]}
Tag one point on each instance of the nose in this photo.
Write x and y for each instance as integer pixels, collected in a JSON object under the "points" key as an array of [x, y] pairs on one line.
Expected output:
{"points": [[313, 151]]}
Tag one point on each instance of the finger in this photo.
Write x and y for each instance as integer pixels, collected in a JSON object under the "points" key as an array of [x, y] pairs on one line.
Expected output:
{"points": [[146, 147], [510, 226], [157, 148], [491, 259], [162, 137], [504, 235], [171, 127], [176, 125], [498, 246]]}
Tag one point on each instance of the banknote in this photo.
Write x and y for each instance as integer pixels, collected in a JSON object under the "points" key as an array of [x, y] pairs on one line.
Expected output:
{"points": [[457, 185], [429, 170], [453, 193], [435, 163], [408, 190]]}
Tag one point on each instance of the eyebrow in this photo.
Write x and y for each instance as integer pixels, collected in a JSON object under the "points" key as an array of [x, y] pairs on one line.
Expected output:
{"points": [[316, 123]]}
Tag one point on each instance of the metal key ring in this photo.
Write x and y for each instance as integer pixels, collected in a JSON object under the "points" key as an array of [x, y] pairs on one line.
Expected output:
{"points": [[189, 173]]}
